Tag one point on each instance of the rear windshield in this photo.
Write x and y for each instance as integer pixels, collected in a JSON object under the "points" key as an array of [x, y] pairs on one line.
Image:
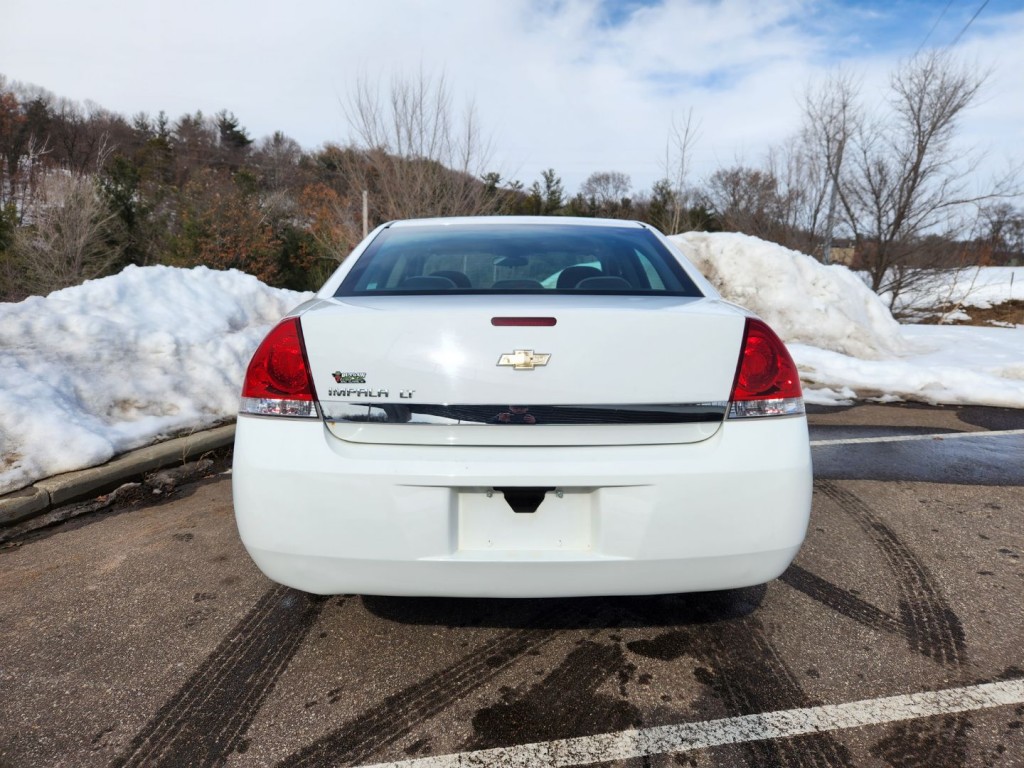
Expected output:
{"points": [[516, 258]]}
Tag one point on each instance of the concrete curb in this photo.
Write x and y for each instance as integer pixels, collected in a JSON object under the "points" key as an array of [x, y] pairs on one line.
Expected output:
{"points": [[54, 491]]}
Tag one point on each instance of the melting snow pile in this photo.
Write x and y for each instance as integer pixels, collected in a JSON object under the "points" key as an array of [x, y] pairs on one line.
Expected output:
{"points": [[805, 301], [92, 371], [843, 338]]}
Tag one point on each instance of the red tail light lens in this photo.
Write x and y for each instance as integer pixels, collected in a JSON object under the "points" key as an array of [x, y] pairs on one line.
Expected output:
{"points": [[277, 382], [767, 382]]}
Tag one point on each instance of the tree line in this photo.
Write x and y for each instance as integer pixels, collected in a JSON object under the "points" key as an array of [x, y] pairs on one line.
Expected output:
{"points": [[85, 191]]}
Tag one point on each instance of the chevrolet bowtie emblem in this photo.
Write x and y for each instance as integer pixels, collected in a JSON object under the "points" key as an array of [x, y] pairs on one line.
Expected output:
{"points": [[524, 359]]}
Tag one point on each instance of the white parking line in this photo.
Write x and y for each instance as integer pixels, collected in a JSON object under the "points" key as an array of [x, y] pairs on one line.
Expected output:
{"points": [[674, 739], [908, 438]]}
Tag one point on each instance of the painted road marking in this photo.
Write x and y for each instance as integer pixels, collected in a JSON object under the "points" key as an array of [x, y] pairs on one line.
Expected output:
{"points": [[673, 739], [908, 438]]}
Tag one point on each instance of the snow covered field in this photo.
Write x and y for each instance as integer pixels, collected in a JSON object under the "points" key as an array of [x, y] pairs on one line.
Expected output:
{"points": [[95, 370], [980, 287]]}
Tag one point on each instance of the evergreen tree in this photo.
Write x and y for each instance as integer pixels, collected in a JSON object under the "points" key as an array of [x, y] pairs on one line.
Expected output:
{"points": [[554, 193], [232, 134]]}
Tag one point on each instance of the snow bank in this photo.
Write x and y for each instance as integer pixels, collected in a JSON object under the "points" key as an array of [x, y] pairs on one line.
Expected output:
{"points": [[951, 365], [806, 302], [92, 371]]}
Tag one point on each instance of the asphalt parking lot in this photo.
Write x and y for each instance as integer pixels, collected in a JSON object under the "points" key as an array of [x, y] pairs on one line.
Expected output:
{"points": [[142, 635]]}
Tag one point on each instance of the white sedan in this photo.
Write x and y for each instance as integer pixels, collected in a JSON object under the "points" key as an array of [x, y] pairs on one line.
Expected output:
{"points": [[520, 407]]}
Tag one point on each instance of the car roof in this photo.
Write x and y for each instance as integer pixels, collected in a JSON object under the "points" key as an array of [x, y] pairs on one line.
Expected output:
{"points": [[484, 221]]}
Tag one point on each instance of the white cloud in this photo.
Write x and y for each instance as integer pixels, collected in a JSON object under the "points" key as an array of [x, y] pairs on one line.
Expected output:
{"points": [[555, 83]]}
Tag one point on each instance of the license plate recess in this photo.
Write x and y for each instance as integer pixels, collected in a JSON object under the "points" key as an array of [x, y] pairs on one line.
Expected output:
{"points": [[563, 521]]}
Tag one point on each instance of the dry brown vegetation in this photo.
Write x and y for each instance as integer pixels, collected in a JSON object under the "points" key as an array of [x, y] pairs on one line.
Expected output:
{"points": [[1007, 313]]}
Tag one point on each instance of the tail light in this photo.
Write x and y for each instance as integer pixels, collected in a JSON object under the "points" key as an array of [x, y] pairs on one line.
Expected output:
{"points": [[277, 382], [767, 382]]}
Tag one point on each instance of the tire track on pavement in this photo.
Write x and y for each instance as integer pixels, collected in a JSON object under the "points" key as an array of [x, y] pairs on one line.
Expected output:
{"points": [[397, 715], [750, 677], [931, 626], [841, 601], [744, 671], [541, 714], [206, 720]]}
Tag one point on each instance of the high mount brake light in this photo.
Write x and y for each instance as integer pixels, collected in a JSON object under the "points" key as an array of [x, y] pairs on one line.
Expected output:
{"points": [[767, 382], [277, 381], [523, 321]]}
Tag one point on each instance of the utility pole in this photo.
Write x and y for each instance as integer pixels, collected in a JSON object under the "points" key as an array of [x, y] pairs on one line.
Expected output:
{"points": [[366, 213], [830, 221]]}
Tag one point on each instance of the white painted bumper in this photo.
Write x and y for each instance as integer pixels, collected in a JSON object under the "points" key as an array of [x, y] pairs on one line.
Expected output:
{"points": [[326, 516]]}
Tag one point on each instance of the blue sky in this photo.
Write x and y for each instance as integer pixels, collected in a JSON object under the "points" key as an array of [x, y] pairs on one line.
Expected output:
{"points": [[883, 25], [904, 26], [576, 85]]}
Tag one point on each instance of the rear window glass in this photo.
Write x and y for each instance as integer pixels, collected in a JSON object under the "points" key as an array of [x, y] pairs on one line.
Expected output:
{"points": [[516, 258]]}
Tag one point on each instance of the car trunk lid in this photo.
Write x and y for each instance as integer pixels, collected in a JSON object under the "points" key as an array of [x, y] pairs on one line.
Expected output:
{"points": [[446, 370]]}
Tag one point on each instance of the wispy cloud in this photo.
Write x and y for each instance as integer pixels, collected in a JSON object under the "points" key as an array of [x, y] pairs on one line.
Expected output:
{"points": [[577, 85]]}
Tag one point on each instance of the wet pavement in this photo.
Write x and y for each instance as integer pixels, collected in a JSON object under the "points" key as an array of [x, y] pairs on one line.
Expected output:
{"points": [[968, 446], [145, 636], [974, 460]]}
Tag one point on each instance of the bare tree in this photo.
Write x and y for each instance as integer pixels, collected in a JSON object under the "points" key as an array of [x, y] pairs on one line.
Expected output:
{"points": [[193, 140], [682, 136], [1003, 233], [415, 155], [84, 136], [748, 200], [605, 193], [895, 181], [67, 241], [905, 178], [831, 117], [792, 197], [278, 157], [23, 148], [606, 188]]}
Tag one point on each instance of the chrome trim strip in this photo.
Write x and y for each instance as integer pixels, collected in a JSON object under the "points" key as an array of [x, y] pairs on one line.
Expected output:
{"points": [[336, 412]]}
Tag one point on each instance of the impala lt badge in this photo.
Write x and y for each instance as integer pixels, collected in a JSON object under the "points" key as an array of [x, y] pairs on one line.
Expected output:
{"points": [[524, 359]]}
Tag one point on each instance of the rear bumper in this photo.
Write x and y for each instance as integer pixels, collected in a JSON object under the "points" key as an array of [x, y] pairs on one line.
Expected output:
{"points": [[327, 516]]}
